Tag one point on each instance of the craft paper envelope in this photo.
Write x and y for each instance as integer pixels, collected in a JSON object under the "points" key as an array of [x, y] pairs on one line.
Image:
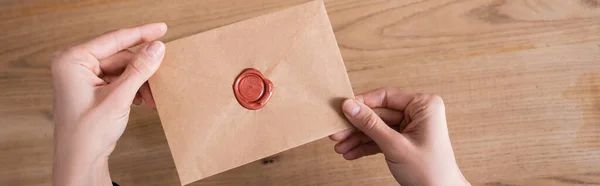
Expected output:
{"points": [[209, 132]]}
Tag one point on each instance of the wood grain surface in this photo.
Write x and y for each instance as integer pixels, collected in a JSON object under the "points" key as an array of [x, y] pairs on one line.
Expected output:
{"points": [[520, 78]]}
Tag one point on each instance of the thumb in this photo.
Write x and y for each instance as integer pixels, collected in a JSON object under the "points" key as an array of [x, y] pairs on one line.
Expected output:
{"points": [[365, 120], [144, 64]]}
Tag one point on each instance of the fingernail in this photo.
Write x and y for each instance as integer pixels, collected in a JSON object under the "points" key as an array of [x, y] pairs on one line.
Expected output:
{"points": [[351, 107], [155, 49], [163, 26]]}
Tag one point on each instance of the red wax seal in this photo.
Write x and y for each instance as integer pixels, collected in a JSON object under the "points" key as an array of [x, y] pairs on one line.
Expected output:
{"points": [[252, 89]]}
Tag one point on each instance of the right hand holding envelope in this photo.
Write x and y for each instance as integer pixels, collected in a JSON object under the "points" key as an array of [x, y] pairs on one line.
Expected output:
{"points": [[408, 128]]}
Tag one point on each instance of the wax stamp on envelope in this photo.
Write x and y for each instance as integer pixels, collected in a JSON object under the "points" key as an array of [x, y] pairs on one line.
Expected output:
{"points": [[252, 89], [293, 94]]}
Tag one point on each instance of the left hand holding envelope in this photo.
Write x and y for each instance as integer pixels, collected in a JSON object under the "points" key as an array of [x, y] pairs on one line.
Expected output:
{"points": [[408, 128], [94, 85]]}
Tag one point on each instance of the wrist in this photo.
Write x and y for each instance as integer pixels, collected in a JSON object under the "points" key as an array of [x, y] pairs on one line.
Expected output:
{"points": [[73, 168], [454, 178]]}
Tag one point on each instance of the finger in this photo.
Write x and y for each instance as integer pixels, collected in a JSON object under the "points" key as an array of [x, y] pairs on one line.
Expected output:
{"points": [[389, 116], [365, 120], [115, 41], [115, 64], [144, 64], [362, 150], [110, 78], [146, 94], [342, 134], [351, 142], [387, 98]]}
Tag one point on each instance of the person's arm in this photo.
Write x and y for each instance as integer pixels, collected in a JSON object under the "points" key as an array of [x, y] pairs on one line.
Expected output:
{"points": [[94, 85], [409, 129]]}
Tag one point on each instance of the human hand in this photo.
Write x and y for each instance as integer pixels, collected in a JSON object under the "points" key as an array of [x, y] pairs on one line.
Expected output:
{"points": [[420, 154], [94, 85]]}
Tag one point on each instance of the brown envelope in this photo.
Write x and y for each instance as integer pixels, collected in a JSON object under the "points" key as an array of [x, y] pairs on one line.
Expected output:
{"points": [[209, 132]]}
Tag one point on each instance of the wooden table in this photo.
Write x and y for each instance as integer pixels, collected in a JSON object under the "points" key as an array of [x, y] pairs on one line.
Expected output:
{"points": [[521, 80]]}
